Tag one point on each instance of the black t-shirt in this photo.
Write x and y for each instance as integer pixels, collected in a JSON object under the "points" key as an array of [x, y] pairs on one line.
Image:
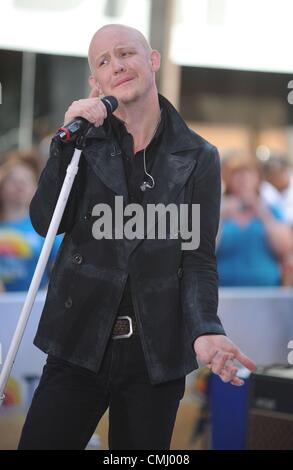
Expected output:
{"points": [[135, 175]]}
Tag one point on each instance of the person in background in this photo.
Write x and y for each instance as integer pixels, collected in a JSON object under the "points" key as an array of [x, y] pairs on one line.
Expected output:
{"points": [[253, 238], [277, 188], [20, 245]]}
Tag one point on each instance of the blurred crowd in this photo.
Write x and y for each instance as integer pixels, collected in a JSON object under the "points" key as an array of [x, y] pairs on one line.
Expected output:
{"points": [[255, 239], [20, 245]]}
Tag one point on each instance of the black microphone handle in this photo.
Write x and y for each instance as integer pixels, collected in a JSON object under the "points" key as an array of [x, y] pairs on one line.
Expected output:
{"points": [[111, 103], [80, 124]]}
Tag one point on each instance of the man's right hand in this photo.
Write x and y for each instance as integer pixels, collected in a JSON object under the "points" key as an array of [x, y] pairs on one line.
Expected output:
{"points": [[91, 108]]}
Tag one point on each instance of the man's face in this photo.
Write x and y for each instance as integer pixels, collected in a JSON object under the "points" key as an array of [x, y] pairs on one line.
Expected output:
{"points": [[122, 65]]}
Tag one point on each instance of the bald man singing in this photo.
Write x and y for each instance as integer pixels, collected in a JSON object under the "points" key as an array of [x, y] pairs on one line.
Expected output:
{"points": [[126, 317]]}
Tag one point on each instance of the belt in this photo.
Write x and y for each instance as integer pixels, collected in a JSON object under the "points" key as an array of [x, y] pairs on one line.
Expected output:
{"points": [[124, 327]]}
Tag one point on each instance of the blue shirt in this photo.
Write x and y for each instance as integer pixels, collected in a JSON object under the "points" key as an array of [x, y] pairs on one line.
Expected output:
{"points": [[244, 255], [20, 248]]}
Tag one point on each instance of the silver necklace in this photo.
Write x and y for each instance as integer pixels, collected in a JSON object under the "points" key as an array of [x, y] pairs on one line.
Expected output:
{"points": [[145, 184]]}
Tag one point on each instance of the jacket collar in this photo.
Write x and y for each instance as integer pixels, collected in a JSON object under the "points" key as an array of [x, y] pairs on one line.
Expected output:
{"points": [[173, 164], [179, 138]]}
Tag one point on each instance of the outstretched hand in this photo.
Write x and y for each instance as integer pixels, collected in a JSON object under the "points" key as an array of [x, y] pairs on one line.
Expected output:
{"points": [[218, 353]]}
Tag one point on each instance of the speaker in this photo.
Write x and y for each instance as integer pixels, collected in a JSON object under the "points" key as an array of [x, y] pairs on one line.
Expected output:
{"points": [[270, 409]]}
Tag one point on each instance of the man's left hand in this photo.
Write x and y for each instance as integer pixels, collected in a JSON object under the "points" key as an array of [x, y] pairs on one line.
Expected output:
{"points": [[218, 352]]}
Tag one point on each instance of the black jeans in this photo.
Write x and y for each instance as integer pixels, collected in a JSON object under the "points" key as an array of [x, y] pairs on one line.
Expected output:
{"points": [[70, 401]]}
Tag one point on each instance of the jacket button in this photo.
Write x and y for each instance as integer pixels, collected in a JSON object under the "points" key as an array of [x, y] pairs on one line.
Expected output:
{"points": [[180, 272], [68, 302], [77, 258], [87, 216]]}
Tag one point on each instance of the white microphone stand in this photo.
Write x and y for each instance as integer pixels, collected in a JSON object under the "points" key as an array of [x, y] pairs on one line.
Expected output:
{"points": [[71, 172]]}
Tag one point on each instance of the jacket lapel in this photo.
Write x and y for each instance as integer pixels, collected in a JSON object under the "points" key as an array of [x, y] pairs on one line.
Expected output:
{"points": [[105, 158], [170, 172]]}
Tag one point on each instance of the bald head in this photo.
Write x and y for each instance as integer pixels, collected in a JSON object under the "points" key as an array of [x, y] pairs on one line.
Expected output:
{"points": [[108, 31]]}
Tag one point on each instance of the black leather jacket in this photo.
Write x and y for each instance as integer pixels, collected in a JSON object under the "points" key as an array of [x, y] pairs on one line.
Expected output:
{"points": [[175, 292]]}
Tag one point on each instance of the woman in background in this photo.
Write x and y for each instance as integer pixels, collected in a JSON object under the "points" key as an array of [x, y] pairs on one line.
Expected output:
{"points": [[253, 239], [20, 245]]}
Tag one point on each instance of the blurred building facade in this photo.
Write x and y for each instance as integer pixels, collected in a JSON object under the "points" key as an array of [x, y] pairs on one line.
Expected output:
{"points": [[228, 95]]}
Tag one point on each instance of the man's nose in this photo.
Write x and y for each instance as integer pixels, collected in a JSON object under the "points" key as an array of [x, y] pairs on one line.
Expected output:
{"points": [[117, 66]]}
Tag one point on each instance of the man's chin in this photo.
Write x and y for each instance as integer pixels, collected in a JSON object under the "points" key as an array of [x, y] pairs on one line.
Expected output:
{"points": [[127, 97]]}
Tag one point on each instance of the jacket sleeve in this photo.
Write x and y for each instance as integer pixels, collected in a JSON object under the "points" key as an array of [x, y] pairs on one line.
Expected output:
{"points": [[200, 277], [50, 183]]}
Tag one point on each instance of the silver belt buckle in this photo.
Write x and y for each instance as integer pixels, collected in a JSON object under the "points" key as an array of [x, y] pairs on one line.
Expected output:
{"points": [[130, 328]]}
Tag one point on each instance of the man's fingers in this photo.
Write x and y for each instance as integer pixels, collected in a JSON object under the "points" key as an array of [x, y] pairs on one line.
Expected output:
{"points": [[221, 361], [233, 380], [228, 374], [238, 382], [224, 366], [94, 93], [245, 361], [229, 371]]}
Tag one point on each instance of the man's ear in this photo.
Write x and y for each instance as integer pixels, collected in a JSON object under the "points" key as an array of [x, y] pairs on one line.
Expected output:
{"points": [[95, 86], [155, 60]]}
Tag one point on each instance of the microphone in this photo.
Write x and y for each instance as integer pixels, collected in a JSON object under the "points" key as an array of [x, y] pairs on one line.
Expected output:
{"points": [[76, 127]]}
